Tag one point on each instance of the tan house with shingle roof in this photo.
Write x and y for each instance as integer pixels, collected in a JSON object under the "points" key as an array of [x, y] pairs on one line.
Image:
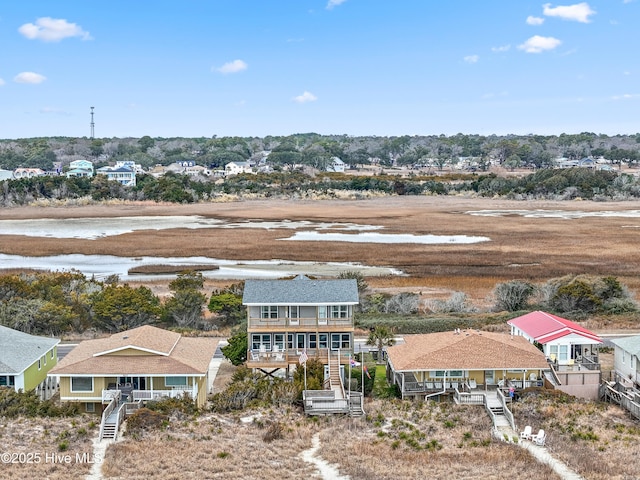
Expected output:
{"points": [[144, 363], [438, 363]]}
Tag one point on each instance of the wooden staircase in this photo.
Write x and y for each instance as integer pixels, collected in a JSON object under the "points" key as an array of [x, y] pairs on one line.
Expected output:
{"points": [[109, 430]]}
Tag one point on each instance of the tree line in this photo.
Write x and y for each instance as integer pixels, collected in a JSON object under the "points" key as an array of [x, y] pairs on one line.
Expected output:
{"points": [[317, 150], [556, 184], [68, 302]]}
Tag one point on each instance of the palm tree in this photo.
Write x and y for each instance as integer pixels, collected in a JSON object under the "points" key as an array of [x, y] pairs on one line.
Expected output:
{"points": [[381, 337]]}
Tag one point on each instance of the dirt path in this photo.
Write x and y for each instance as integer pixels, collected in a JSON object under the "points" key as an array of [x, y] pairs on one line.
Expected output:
{"points": [[542, 455], [326, 470]]}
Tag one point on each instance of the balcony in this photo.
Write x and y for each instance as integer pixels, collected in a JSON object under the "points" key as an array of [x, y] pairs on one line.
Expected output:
{"points": [[282, 358], [285, 324]]}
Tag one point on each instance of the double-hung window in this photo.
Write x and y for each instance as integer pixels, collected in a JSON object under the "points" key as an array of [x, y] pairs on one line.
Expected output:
{"points": [[339, 311], [269, 311]]}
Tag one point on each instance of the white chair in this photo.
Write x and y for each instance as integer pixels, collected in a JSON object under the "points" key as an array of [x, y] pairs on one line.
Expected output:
{"points": [[254, 356], [472, 384], [526, 434], [539, 438], [263, 351]]}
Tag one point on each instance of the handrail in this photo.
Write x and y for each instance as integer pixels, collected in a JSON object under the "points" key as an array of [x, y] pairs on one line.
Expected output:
{"points": [[507, 412], [107, 411]]}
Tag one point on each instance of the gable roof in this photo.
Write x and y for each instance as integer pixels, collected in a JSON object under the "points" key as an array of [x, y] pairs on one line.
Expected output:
{"points": [[545, 327], [468, 350], [629, 344], [161, 352], [302, 290], [19, 350]]}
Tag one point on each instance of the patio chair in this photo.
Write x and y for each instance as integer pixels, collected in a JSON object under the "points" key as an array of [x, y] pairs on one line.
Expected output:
{"points": [[254, 356], [539, 438], [526, 434], [472, 384], [429, 385]]}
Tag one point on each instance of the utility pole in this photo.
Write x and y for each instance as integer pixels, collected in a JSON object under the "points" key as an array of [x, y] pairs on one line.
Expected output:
{"points": [[92, 125]]}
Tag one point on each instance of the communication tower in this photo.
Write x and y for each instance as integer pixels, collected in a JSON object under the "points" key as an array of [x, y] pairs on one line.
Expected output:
{"points": [[92, 125]]}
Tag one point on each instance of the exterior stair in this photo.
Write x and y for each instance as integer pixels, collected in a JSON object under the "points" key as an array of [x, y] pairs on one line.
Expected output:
{"points": [[109, 431]]}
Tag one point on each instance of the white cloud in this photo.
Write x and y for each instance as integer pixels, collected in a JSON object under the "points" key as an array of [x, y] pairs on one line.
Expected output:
{"points": [[29, 77], [580, 12], [55, 111], [501, 48], [626, 96], [233, 67], [50, 29], [334, 3], [2, 82], [471, 58], [531, 20], [305, 97], [538, 44]]}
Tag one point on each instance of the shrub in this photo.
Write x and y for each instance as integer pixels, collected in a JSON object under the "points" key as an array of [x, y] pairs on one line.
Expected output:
{"points": [[144, 420], [513, 296], [273, 432]]}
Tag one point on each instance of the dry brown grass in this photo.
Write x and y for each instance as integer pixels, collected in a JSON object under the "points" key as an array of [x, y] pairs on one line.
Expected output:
{"points": [[520, 248], [599, 441], [454, 442], [43, 436]]}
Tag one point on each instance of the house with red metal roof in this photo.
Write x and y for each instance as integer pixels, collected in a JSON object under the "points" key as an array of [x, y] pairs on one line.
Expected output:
{"points": [[570, 348]]}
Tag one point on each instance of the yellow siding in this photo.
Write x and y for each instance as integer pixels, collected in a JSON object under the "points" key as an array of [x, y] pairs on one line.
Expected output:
{"points": [[33, 376]]}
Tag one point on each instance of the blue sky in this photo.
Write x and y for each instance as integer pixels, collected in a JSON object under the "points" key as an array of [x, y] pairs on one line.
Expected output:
{"points": [[358, 67]]}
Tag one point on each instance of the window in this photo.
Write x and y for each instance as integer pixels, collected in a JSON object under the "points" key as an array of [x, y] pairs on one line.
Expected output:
{"points": [[564, 352], [322, 315], [258, 339], [553, 350], [290, 341], [12, 381], [447, 373], [3, 381], [323, 340], [175, 381], [294, 315], [45, 358], [269, 311], [278, 339], [81, 384], [313, 340], [89, 407], [340, 340], [51, 354], [339, 311], [39, 364]]}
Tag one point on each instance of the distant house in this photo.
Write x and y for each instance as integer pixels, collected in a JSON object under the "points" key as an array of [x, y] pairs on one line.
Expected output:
{"points": [[123, 173], [438, 363], [80, 168], [336, 165], [627, 359], [235, 168], [28, 173], [187, 168], [144, 363], [25, 361]]}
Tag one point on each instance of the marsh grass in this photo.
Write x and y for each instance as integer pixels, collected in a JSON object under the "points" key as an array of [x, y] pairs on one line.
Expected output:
{"points": [[520, 248]]}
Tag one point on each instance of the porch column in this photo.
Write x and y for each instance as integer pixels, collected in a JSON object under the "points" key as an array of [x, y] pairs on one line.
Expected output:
{"points": [[151, 378], [194, 394]]}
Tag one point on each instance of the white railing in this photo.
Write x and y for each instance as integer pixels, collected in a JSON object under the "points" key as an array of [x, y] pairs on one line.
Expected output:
{"points": [[160, 394], [108, 395], [257, 322], [507, 412], [465, 398], [105, 415]]}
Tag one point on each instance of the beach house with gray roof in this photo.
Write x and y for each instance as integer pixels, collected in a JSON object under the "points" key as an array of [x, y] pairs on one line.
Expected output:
{"points": [[25, 361]]}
